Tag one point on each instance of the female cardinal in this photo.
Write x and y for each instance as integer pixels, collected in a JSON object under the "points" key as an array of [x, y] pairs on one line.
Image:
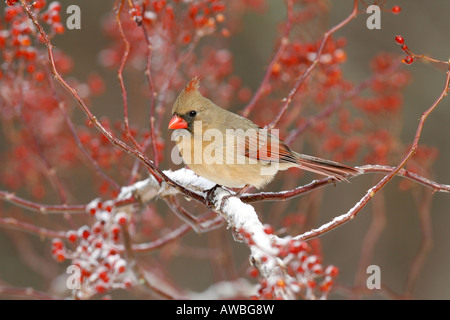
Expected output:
{"points": [[231, 150]]}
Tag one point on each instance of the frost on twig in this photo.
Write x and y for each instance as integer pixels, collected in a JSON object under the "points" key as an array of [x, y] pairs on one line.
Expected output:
{"points": [[286, 267]]}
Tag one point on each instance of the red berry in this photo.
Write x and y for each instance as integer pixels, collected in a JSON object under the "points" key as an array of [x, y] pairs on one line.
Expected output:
{"points": [[253, 272], [39, 76], [58, 27], [216, 7], [268, 229], [128, 282], [84, 232], [281, 283], [311, 284], [98, 227], [326, 286], [396, 9], [100, 288], [104, 276], [121, 218], [399, 40], [332, 271], [98, 244], [39, 4], [60, 257], [57, 244], [71, 236], [317, 269], [120, 266], [115, 229], [159, 5], [408, 60], [31, 68], [54, 6], [10, 13]]}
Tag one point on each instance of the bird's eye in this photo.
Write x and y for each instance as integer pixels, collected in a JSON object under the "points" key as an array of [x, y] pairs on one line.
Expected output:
{"points": [[192, 113]]}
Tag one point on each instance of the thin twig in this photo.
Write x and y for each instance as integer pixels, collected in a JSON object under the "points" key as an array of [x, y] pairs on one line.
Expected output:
{"points": [[199, 225], [30, 228], [148, 70], [283, 44], [328, 110], [156, 172], [426, 242], [371, 238], [336, 222], [25, 293], [287, 101], [139, 273], [120, 76], [38, 207]]}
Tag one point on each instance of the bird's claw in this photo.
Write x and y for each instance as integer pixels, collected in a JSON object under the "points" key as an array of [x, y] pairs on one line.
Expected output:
{"points": [[210, 196]]}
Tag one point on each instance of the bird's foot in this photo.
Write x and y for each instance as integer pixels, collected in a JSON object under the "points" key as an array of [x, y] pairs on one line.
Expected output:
{"points": [[210, 196]]}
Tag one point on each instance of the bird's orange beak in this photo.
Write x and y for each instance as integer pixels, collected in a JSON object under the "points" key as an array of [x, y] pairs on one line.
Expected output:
{"points": [[177, 123]]}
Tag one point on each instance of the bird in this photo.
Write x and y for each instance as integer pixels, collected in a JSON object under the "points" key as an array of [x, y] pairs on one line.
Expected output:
{"points": [[232, 151]]}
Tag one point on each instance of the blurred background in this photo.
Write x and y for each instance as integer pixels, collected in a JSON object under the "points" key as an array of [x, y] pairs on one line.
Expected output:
{"points": [[424, 26]]}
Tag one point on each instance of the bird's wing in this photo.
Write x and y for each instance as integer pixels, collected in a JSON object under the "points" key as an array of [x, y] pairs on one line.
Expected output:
{"points": [[264, 146]]}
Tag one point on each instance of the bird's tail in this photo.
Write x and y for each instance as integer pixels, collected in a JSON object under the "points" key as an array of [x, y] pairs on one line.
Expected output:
{"points": [[326, 167]]}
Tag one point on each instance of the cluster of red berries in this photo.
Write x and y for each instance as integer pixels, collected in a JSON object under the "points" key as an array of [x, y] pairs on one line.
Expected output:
{"points": [[304, 276], [194, 20], [299, 55], [353, 134], [94, 250], [52, 16], [18, 38], [409, 55], [202, 17]]}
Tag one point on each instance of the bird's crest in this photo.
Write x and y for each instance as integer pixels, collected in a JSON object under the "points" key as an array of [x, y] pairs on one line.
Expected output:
{"points": [[193, 85]]}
